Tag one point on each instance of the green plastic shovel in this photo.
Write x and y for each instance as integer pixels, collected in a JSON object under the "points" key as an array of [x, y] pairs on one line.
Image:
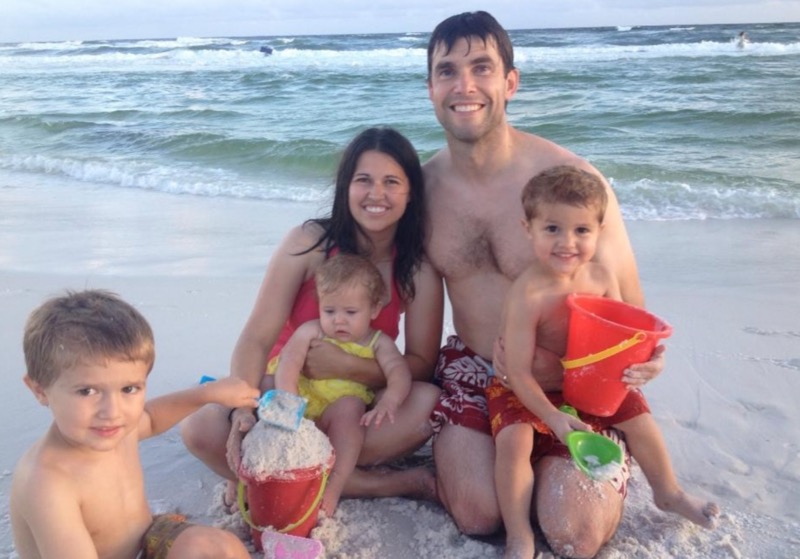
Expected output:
{"points": [[596, 455]]}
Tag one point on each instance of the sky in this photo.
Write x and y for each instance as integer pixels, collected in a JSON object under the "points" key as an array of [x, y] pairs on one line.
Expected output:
{"points": [[60, 20]]}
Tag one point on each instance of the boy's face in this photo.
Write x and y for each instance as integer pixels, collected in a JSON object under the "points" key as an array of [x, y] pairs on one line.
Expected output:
{"points": [[346, 312], [95, 405], [469, 88], [564, 237]]}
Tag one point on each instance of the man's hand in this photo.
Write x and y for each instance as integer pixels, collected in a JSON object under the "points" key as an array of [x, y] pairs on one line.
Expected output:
{"points": [[640, 374]]}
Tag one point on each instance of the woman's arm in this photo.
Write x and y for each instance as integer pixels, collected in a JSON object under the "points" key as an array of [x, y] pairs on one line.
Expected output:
{"points": [[286, 272], [423, 323]]}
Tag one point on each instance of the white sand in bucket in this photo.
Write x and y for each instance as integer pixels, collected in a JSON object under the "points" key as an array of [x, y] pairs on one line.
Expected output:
{"points": [[269, 451]]}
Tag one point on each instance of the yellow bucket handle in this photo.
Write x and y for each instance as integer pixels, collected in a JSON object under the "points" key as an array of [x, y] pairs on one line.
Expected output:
{"points": [[637, 338], [245, 512]]}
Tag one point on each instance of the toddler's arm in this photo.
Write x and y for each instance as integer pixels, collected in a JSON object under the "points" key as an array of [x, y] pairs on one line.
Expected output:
{"points": [[522, 316], [398, 381]]}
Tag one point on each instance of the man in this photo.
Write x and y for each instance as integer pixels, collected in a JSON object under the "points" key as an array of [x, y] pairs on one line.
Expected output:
{"points": [[475, 242]]}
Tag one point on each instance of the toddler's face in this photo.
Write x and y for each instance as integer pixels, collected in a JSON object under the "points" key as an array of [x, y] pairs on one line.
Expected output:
{"points": [[563, 237]]}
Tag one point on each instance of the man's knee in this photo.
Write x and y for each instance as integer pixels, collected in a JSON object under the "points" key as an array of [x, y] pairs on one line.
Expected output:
{"points": [[574, 546], [475, 514], [575, 539]]}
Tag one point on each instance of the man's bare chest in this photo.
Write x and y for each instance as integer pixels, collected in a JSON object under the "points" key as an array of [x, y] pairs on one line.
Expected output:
{"points": [[468, 243]]}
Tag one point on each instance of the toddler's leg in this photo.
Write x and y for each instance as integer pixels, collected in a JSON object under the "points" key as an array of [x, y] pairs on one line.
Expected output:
{"points": [[514, 482], [340, 421], [648, 448]]}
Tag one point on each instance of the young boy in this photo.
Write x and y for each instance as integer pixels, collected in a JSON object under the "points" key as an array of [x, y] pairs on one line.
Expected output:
{"points": [[78, 492], [350, 291], [564, 208]]}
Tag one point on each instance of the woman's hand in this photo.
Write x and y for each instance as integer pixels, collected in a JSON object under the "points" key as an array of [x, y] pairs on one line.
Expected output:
{"points": [[242, 420], [640, 374], [322, 359]]}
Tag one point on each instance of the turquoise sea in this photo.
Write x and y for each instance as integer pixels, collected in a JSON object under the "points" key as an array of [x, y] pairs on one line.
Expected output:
{"points": [[686, 124]]}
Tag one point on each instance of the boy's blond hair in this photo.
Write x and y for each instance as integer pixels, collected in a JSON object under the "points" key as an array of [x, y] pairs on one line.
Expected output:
{"points": [[564, 185], [84, 327], [343, 269]]}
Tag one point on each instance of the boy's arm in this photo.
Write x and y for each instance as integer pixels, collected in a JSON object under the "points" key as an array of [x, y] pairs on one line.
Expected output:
{"points": [[53, 515], [398, 381], [522, 315], [293, 355], [161, 413]]}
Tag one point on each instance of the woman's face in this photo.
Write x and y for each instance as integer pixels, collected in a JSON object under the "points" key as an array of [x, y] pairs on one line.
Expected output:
{"points": [[379, 192]]}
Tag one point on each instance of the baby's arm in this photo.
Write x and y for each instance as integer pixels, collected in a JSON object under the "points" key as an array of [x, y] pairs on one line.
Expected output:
{"points": [[51, 510], [293, 355], [398, 381], [165, 411]]}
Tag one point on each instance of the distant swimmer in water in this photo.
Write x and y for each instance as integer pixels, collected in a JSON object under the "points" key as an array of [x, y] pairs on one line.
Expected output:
{"points": [[266, 50], [742, 40]]}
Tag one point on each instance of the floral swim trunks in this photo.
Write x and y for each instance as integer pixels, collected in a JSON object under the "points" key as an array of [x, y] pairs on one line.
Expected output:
{"points": [[161, 534], [506, 409], [463, 375]]}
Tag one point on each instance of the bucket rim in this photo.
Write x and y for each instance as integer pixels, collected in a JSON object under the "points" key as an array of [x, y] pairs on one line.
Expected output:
{"points": [[573, 300], [296, 474]]}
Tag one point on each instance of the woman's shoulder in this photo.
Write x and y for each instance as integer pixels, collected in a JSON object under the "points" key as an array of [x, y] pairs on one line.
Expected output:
{"points": [[303, 238]]}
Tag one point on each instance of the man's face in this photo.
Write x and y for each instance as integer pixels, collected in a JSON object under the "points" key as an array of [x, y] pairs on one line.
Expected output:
{"points": [[469, 88]]}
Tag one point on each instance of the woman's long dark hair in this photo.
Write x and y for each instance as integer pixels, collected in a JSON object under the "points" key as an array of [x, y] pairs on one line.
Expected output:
{"points": [[340, 229]]}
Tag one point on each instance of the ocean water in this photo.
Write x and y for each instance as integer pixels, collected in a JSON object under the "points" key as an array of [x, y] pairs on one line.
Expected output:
{"points": [[684, 123]]}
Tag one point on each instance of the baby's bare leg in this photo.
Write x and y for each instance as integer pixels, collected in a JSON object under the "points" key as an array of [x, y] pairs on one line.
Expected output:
{"points": [[340, 421], [648, 448]]}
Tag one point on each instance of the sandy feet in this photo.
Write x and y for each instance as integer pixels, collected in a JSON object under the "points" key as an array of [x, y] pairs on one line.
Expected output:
{"points": [[699, 511]]}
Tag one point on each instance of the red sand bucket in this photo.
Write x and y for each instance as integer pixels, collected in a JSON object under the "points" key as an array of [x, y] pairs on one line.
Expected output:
{"points": [[605, 337], [285, 502]]}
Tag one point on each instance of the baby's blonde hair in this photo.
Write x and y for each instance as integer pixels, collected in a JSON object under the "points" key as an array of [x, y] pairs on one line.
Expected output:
{"points": [[344, 269], [84, 327]]}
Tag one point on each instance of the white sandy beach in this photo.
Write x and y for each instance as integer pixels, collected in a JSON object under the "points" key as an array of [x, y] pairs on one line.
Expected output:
{"points": [[727, 401]]}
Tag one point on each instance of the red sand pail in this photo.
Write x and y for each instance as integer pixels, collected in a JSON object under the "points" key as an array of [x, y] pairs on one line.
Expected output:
{"points": [[605, 337], [286, 502]]}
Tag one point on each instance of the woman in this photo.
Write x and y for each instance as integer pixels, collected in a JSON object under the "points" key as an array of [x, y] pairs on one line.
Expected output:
{"points": [[378, 212]]}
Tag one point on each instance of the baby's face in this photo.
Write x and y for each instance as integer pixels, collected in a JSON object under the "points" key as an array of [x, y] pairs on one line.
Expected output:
{"points": [[346, 312]]}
